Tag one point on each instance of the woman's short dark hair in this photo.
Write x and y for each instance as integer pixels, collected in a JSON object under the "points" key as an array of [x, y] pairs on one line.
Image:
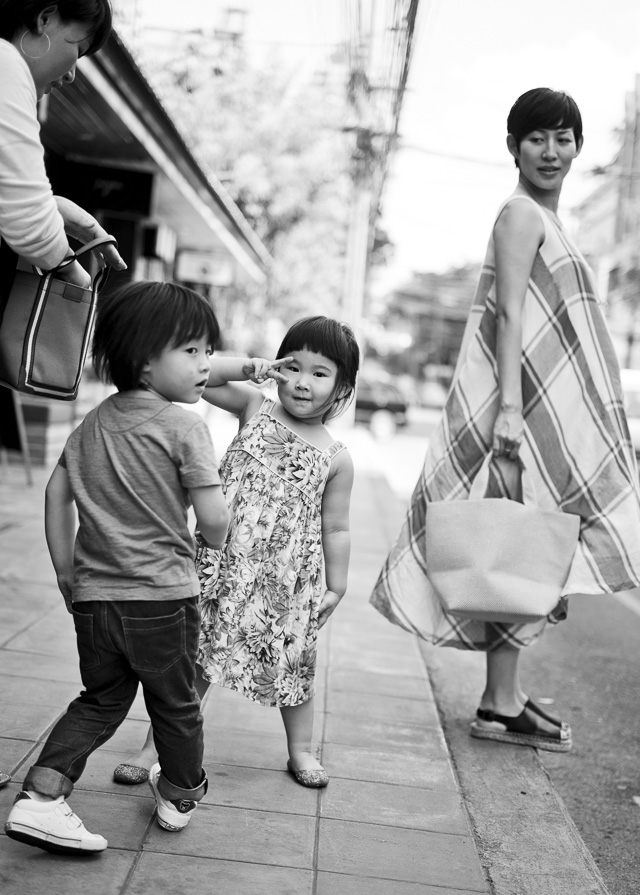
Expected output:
{"points": [[18, 14], [334, 340], [136, 323], [542, 108]]}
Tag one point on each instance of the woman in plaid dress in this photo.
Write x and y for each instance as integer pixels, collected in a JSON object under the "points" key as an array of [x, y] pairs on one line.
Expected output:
{"points": [[538, 379]]}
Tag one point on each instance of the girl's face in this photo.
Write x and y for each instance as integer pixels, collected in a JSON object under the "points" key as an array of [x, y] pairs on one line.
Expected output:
{"points": [[180, 373], [310, 386], [66, 42], [545, 156]]}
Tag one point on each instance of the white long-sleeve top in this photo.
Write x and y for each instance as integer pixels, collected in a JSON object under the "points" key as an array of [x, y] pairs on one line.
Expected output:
{"points": [[29, 218]]}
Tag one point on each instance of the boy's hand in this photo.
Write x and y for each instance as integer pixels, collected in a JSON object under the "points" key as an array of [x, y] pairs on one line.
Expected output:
{"points": [[64, 586], [258, 369], [328, 604]]}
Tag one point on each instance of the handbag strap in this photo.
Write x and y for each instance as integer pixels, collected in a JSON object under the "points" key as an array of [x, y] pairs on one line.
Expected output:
{"points": [[87, 247], [481, 481], [101, 277]]}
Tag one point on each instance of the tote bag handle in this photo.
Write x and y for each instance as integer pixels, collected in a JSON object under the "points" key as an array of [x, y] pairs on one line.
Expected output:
{"points": [[481, 481]]}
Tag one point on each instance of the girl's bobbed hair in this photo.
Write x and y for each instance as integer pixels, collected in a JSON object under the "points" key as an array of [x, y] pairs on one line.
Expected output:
{"points": [[139, 321], [333, 340], [20, 14], [543, 108]]}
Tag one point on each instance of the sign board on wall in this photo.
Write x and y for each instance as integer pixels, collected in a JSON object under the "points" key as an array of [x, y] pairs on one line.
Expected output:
{"points": [[206, 268]]}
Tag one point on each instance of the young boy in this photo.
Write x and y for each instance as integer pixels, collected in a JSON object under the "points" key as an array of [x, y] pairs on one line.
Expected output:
{"points": [[131, 469]]}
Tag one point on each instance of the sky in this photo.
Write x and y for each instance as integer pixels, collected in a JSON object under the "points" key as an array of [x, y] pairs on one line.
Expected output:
{"points": [[471, 60]]}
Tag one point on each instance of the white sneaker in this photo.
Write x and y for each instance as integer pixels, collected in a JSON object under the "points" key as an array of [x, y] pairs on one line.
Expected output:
{"points": [[173, 815], [52, 826]]}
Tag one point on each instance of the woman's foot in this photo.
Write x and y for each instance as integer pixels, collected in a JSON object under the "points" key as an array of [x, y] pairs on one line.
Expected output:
{"points": [[526, 728]]}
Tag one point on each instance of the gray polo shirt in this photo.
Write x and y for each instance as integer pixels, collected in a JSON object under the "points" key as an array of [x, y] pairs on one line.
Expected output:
{"points": [[130, 464]]}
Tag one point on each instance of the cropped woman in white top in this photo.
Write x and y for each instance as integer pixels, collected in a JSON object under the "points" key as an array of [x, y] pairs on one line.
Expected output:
{"points": [[40, 43]]}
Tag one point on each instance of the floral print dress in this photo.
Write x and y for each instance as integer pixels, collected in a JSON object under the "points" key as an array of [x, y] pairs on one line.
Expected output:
{"points": [[260, 594]]}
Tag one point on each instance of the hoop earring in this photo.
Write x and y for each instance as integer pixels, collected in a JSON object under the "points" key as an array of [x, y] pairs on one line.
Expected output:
{"points": [[28, 55]]}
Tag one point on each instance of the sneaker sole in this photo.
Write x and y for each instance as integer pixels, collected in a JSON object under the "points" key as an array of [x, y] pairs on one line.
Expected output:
{"points": [[48, 842], [165, 824]]}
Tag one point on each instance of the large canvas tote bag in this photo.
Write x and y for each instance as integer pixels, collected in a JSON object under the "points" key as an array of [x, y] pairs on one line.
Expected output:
{"points": [[494, 559], [45, 330]]}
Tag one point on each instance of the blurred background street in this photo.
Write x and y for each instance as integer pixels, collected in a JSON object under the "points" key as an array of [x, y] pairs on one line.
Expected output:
{"points": [[347, 157]]}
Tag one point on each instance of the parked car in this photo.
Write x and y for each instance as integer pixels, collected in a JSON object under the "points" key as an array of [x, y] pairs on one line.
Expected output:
{"points": [[631, 389], [381, 406]]}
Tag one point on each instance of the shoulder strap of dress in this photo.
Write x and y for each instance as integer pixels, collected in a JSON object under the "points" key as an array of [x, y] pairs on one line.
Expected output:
{"points": [[335, 448], [267, 406]]}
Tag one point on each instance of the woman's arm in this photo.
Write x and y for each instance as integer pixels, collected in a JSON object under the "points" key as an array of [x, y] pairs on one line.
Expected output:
{"points": [[518, 234], [336, 537], [60, 529], [29, 219]]}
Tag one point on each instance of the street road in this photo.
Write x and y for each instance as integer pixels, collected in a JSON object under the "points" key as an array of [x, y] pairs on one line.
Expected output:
{"points": [[590, 666]]}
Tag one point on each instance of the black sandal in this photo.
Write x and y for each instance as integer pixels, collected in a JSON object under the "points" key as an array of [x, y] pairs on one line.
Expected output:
{"points": [[521, 730], [552, 719]]}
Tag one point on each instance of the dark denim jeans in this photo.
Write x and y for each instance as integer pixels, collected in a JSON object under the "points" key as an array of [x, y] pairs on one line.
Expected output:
{"points": [[122, 644]]}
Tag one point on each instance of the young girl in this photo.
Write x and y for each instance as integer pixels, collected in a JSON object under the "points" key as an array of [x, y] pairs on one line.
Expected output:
{"points": [[288, 486]]}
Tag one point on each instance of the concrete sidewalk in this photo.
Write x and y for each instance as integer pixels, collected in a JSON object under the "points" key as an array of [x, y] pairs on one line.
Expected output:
{"points": [[393, 820]]}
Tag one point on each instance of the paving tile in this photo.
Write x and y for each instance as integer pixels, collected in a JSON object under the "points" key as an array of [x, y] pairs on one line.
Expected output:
{"points": [[356, 731], [383, 708], [170, 874], [52, 635], [33, 691], [429, 768], [48, 668], [405, 855], [252, 750], [13, 753], [404, 664], [339, 884], [32, 871], [25, 721], [259, 789], [395, 806], [236, 834], [404, 686]]}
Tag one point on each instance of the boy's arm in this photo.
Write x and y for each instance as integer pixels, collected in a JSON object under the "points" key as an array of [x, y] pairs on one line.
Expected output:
{"points": [[336, 538], [212, 514], [60, 529]]}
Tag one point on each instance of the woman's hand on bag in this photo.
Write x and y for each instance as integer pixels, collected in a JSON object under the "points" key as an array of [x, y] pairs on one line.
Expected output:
{"points": [[76, 274], [508, 431], [84, 227]]}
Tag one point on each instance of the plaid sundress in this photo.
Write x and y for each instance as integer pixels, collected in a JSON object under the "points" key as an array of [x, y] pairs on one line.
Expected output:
{"points": [[576, 445]]}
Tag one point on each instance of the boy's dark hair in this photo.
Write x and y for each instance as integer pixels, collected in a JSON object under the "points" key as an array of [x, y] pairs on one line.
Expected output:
{"points": [[542, 108], [334, 340], [139, 321], [17, 14]]}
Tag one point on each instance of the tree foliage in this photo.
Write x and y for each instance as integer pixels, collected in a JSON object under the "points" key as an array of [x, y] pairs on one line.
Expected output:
{"points": [[274, 138]]}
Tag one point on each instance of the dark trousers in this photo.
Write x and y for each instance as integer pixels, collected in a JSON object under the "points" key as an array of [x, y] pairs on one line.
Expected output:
{"points": [[121, 644]]}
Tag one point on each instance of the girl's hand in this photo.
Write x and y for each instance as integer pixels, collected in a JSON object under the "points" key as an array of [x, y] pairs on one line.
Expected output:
{"points": [[258, 369], [508, 431], [328, 604]]}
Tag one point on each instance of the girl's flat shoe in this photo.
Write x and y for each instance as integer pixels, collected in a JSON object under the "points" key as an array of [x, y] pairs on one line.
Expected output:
{"points": [[4, 779], [522, 730], [314, 779], [130, 774]]}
